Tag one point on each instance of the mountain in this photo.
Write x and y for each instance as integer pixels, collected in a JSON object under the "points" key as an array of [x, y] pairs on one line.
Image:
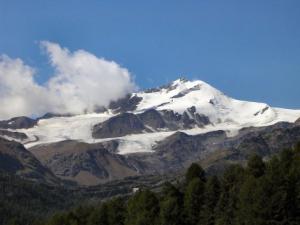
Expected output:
{"points": [[86, 164], [15, 159], [90, 164], [190, 106], [18, 123], [153, 132]]}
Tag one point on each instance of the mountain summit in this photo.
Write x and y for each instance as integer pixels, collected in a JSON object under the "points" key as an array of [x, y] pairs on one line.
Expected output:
{"points": [[141, 118], [184, 94]]}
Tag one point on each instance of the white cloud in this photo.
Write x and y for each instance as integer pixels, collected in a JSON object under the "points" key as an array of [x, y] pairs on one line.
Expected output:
{"points": [[81, 82]]}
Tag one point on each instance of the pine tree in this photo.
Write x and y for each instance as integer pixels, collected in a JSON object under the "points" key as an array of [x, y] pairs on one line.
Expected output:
{"points": [[297, 148], [286, 158], [290, 160], [230, 186], [195, 171], [99, 216], [116, 212], [170, 211], [252, 202], [256, 166], [143, 209], [193, 200], [170, 190], [211, 195], [171, 206]]}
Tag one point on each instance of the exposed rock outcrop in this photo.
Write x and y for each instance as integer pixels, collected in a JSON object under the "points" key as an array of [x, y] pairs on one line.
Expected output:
{"points": [[152, 118], [14, 135], [18, 123], [117, 126], [149, 121], [129, 103]]}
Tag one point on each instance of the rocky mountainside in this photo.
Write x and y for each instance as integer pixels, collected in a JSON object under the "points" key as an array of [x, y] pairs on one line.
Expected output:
{"points": [[15, 159], [86, 164], [154, 132], [90, 164], [148, 121], [18, 123]]}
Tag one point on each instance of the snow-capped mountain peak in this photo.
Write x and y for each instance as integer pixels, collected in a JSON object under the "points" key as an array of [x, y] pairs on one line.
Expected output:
{"points": [[193, 91], [208, 101], [190, 106]]}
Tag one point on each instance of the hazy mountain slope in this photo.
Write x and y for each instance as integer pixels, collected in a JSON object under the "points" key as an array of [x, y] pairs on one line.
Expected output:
{"points": [[15, 159], [86, 164]]}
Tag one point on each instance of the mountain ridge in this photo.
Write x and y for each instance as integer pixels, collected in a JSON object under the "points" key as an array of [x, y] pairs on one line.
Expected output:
{"points": [[155, 131], [195, 104]]}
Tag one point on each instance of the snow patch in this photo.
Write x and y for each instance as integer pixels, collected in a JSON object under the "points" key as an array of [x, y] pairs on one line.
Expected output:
{"points": [[64, 128]]}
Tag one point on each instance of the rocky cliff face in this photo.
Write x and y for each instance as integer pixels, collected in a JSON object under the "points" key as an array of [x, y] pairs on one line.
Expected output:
{"points": [[117, 126], [149, 121], [126, 104]]}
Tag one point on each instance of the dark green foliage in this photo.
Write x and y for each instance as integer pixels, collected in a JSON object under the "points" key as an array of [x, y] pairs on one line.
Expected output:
{"points": [[193, 200], [77, 216], [171, 211], [169, 190], [195, 171], [24, 202], [171, 206], [143, 209], [297, 148], [256, 166], [99, 216], [227, 205], [107, 213], [250, 208], [116, 212], [212, 195]]}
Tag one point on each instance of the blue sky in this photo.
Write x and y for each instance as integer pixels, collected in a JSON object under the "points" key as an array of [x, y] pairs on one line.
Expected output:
{"points": [[248, 49]]}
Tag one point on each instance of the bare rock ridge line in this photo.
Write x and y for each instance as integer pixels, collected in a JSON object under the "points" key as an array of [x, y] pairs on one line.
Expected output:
{"points": [[24, 122]]}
